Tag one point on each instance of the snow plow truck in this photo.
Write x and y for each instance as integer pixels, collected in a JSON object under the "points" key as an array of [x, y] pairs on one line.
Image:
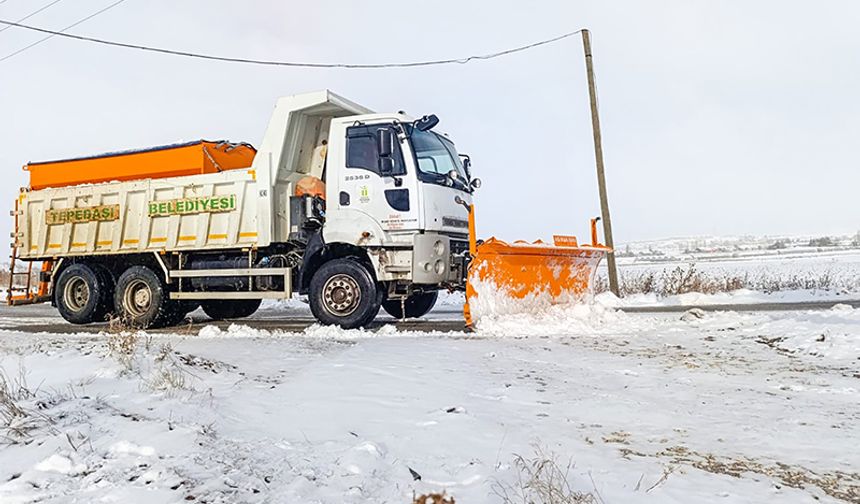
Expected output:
{"points": [[357, 210]]}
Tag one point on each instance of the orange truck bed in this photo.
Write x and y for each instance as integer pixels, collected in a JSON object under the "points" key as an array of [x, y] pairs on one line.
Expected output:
{"points": [[175, 160]]}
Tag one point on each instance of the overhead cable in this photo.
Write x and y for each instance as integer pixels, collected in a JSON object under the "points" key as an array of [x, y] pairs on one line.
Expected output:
{"points": [[28, 16], [173, 52], [59, 33]]}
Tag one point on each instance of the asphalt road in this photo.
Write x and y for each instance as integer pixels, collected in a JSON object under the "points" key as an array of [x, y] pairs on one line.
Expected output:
{"points": [[747, 307], [44, 318]]}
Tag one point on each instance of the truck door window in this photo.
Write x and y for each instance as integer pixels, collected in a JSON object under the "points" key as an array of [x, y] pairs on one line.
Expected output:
{"points": [[361, 149]]}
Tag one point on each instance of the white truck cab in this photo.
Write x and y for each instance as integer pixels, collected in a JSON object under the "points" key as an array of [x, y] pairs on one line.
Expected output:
{"points": [[389, 229], [391, 186]]}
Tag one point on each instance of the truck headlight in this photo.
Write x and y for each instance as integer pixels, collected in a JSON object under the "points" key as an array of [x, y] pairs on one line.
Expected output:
{"points": [[438, 248], [440, 267]]}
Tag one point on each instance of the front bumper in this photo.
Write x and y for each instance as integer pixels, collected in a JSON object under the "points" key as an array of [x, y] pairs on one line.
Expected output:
{"points": [[439, 259]]}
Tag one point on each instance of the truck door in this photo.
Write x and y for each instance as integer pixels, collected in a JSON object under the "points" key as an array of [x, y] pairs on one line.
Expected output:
{"points": [[392, 200]]}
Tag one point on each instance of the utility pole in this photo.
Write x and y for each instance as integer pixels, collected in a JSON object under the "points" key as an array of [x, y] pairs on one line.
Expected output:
{"points": [[598, 157]]}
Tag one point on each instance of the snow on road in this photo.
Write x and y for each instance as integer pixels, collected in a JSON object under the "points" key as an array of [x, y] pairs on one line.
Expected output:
{"points": [[709, 407]]}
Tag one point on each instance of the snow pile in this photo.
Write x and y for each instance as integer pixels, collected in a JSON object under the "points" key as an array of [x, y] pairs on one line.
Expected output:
{"points": [[495, 312], [586, 318], [235, 331], [335, 332], [832, 335], [451, 298], [317, 331], [296, 304], [61, 464], [128, 448]]}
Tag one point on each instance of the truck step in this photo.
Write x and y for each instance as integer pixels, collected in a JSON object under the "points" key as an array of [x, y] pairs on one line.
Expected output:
{"points": [[27, 300], [398, 269]]}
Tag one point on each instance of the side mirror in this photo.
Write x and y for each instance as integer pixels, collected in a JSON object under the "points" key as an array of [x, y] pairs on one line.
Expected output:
{"points": [[427, 122], [386, 166], [385, 142], [467, 165]]}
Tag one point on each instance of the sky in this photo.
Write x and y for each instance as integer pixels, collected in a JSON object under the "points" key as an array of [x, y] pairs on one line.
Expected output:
{"points": [[719, 117]]}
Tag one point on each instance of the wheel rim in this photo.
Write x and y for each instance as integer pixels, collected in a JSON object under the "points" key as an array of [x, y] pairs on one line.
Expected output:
{"points": [[341, 295], [76, 294], [137, 298]]}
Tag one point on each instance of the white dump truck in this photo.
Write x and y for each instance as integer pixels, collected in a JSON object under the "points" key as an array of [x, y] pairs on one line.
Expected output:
{"points": [[355, 209]]}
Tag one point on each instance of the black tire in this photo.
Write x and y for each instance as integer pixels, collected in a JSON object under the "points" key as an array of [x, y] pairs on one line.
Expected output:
{"points": [[108, 283], [141, 300], [79, 294], [219, 309], [343, 293], [416, 305]]}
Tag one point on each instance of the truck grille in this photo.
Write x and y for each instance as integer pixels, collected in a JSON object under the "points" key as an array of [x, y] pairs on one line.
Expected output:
{"points": [[454, 222], [459, 246]]}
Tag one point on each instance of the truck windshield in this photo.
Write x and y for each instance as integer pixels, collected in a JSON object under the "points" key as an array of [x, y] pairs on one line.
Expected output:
{"points": [[436, 156]]}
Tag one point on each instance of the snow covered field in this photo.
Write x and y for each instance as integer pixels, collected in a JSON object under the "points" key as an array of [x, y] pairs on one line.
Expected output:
{"points": [[754, 276], [686, 408]]}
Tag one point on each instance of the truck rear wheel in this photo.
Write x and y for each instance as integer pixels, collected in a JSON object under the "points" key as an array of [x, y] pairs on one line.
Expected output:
{"points": [[343, 293], [79, 294], [108, 283], [141, 300], [416, 305], [219, 309]]}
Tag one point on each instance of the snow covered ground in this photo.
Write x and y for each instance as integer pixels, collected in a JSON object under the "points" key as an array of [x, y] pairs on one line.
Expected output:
{"points": [[842, 266], [752, 277], [673, 408]]}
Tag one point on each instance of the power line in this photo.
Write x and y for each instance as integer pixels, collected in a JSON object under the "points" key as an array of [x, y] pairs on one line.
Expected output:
{"points": [[28, 16], [56, 33], [288, 63]]}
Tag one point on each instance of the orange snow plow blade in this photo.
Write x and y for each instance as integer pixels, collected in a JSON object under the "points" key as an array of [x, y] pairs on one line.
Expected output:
{"points": [[508, 278]]}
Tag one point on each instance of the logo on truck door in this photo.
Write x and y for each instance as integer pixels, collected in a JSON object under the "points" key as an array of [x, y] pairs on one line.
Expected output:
{"points": [[183, 206], [82, 214], [364, 194]]}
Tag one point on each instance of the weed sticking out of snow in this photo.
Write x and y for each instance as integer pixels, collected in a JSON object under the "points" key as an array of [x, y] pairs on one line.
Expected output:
{"points": [[541, 478], [728, 277], [122, 346], [19, 413]]}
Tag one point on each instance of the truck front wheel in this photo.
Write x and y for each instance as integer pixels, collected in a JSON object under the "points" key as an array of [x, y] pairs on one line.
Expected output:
{"points": [[219, 309], [343, 293], [416, 305], [140, 299], [79, 294]]}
